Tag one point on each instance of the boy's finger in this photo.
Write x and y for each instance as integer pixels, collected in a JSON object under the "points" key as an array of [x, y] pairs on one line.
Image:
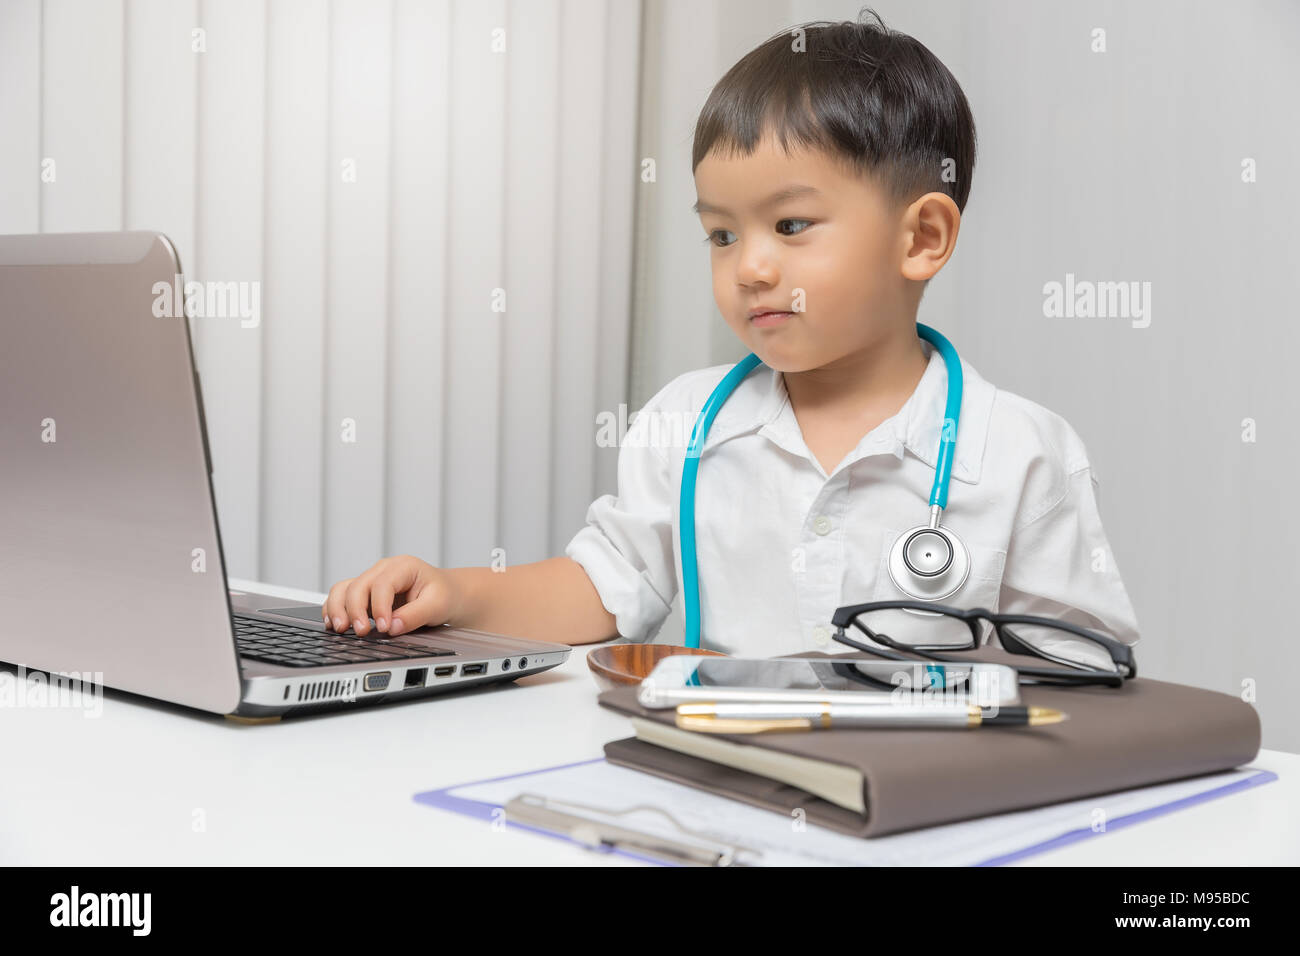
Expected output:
{"points": [[381, 601], [332, 610], [356, 604]]}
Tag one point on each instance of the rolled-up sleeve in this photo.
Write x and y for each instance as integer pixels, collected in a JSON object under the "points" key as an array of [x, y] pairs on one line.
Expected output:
{"points": [[626, 547], [1059, 565]]}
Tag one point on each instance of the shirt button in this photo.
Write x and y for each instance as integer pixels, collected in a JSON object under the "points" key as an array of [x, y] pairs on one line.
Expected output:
{"points": [[821, 635], [821, 524]]}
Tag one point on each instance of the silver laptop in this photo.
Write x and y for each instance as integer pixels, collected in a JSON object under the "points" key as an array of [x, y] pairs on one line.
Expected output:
{"points": [[110, 553]]}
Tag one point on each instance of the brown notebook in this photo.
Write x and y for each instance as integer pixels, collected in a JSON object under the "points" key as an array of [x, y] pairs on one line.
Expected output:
{"points": [[1143, 733]]}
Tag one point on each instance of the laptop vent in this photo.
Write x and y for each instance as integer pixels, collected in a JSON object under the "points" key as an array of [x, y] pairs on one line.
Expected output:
{"points": [[326, 690]]}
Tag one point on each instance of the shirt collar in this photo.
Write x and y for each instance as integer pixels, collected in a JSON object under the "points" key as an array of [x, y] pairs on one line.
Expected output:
{"points": [[761, 404]]}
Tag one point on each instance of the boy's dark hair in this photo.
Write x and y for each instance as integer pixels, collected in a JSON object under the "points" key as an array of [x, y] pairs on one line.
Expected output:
{"points": [[872, 97]]}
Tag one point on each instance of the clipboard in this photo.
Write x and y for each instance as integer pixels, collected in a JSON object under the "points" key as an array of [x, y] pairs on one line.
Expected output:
{"points": [[556, 805], [591, 827]]}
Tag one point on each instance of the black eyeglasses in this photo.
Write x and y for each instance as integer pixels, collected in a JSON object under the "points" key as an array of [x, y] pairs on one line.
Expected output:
{"points": [[939, 627]]}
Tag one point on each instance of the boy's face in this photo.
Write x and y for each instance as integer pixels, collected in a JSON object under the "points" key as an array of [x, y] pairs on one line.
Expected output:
{"points": [[832, 257]]}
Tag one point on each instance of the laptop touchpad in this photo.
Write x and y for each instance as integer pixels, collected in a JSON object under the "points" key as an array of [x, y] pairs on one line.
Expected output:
{"points": [[305, 612]]}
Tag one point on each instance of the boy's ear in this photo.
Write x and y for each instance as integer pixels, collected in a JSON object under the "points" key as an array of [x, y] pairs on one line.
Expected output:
{"points": [[930, 228]]}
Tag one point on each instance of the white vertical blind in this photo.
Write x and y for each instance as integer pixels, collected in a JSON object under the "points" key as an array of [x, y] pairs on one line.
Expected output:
{"points": [[535, 151], [161, 75], [229, 179], [81, 114], [476, 271], [421, 134], [391, 173], [356, 312], [296, 238], [20, 115]]}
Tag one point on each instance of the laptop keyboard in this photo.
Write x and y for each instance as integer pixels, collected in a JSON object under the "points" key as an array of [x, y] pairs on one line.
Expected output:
{"points": [[292, 646]]}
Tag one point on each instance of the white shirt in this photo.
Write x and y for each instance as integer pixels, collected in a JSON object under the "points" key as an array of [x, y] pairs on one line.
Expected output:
{"points": [[781, 544]]}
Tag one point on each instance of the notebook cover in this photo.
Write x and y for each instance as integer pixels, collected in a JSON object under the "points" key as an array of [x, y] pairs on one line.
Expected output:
{"points": [[1143, 733]]}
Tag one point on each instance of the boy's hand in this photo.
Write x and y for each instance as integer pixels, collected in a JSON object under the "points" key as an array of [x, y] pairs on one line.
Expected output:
{"points": [[430, 597]]}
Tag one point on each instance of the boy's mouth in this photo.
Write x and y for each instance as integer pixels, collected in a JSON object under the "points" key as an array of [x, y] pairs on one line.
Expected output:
{"points": [[762, 318]]}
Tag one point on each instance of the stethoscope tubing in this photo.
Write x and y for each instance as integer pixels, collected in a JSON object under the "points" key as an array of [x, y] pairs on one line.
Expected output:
{"points": [[723, 390]]}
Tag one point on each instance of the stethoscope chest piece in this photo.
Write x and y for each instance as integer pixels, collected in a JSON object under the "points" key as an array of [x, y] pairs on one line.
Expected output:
{"points": [[929, 563]]}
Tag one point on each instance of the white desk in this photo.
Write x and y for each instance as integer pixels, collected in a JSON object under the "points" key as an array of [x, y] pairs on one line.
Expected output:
{"points": [[337, 788]]}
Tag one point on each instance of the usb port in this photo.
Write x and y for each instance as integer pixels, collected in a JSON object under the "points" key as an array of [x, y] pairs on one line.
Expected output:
{"points": [[444, 671], [473, 669]]}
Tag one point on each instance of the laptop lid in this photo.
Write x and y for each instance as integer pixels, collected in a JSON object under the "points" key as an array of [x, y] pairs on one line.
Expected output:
{"points": [[110, 555]]}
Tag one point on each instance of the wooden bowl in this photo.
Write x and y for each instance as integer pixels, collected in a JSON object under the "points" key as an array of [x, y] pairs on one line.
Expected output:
{"points": [[621, 664]]}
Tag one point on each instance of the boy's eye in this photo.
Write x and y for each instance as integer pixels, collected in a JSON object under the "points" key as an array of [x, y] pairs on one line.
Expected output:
{"points": [[723, 245]]}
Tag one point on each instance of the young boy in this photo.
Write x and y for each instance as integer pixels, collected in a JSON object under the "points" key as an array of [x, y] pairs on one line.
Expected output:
{"points": [[831, 165]]}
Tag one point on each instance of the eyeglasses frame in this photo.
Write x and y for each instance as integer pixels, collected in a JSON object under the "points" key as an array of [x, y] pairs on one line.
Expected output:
{"points": [[1120, 653]]}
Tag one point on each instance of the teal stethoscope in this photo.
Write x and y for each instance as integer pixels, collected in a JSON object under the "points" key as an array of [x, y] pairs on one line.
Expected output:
{"points": [[928, 562]]}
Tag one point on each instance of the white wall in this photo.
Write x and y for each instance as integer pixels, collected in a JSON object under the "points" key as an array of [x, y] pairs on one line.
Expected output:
{"points": [[475, 170]]}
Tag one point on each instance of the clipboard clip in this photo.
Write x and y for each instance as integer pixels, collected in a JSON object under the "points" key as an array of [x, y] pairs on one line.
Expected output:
{"points": [[533, 809]]}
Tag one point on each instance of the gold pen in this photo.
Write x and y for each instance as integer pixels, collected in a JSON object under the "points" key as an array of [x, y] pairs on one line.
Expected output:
{"points": [[754, 718]]}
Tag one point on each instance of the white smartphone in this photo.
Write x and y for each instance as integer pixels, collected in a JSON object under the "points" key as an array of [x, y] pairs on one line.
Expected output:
{"points": [[686, 678]]}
